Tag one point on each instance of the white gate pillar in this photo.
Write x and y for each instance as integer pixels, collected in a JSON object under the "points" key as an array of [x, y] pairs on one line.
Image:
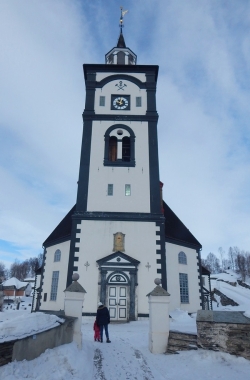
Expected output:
{"points": [[73, 301], [158, 301]]}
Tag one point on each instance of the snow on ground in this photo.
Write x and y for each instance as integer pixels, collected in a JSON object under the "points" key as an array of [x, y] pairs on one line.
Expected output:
{"points": [[238, 293], [127, 357]]}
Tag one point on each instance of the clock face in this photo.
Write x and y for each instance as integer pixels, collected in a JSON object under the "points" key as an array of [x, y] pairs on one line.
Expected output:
{"points": [[120, 102]]}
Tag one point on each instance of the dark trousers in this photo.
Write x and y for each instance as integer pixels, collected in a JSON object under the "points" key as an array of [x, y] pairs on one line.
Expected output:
{"points": [[105, 329]]}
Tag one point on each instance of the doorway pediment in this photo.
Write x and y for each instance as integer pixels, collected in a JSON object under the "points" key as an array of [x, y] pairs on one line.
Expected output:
{"points": [[118, 259]]}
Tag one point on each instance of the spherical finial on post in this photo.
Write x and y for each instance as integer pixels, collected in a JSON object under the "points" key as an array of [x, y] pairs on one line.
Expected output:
{"points": [[157, 281], [75, 276]]}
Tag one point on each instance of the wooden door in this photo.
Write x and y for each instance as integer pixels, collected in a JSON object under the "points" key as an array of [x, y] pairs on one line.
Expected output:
{"points": [[117, 302]]}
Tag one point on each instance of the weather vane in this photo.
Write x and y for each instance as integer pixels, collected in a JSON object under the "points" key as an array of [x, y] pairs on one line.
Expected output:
{"points": [[121, 18]]}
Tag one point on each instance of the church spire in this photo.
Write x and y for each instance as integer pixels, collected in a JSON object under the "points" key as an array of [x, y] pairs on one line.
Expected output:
{"points": [[121, 41], [121, 55]]}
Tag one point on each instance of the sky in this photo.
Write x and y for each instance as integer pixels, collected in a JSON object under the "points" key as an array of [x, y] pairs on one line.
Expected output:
{"points": [[203, 96]]}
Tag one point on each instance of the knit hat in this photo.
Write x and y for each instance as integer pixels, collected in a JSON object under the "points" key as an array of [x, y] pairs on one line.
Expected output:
{"points": [[100, 304]]}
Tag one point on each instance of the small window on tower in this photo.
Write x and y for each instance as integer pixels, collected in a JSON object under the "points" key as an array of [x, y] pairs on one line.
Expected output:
{"points": [[102, 101], [138, 101], [127, 190], [110, 189]]}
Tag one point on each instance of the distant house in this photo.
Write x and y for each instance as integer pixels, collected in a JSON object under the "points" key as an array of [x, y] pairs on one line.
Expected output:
{"points": [[15, 288]]}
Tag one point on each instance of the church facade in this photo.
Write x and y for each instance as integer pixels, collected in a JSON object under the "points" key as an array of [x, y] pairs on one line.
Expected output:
{"points": [[121, 235]]}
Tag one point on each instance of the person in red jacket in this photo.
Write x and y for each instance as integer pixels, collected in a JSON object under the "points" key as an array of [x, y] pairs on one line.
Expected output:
{"points": [[103, 319], [96, 328]]}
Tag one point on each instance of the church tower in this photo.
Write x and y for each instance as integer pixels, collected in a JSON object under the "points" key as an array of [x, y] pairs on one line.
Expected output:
{"points": [[117, 241], [117, 234]]}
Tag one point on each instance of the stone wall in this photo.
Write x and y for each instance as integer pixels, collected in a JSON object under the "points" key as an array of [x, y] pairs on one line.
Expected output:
{"points": [[224, 331], [33, 346]]}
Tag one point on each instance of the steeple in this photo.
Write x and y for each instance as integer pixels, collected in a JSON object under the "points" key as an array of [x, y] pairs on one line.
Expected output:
{"points": [[121, 55]]}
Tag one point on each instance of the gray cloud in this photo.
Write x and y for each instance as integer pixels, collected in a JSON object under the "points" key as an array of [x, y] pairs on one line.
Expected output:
{"points": [[203, 102]]}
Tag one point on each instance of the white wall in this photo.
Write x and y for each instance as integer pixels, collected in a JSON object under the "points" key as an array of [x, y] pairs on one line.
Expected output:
{"points": [[100, 176], [111, 89], [62, 267], [173, 270], [96, 242]]}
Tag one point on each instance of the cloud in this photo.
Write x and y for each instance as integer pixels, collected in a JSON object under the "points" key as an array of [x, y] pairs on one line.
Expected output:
{"points": [[203, 52]]}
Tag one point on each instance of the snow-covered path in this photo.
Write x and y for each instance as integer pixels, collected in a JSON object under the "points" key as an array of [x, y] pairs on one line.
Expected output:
{"points": [[127, 357]]}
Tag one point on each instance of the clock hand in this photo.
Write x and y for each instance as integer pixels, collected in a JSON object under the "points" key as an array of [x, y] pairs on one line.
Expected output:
{"points": [[119, 102]]}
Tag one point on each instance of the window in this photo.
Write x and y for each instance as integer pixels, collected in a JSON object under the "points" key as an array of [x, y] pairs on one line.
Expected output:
{"points": [[110, 189], [45, 297], [138, 101], [119, 146], [126, 149], [127, 190], [102, 101], [54, 285], [57, 255], [182, 258], [183, 278], [112, 148]]}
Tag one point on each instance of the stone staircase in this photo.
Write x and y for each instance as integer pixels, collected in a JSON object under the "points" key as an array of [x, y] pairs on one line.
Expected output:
{"points": [[179, 341]]}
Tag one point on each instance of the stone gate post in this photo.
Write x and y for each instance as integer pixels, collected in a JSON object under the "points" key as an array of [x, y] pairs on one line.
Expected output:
{"points": [[158, 301], [73, 301]]}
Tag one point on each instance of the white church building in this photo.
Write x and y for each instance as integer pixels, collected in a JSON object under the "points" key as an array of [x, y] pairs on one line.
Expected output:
{"points": [[121, 235]]}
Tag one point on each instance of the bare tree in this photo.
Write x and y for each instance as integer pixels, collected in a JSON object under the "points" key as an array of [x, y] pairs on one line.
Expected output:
{"points": [[212, 263], [222, 253], [3, 272]]}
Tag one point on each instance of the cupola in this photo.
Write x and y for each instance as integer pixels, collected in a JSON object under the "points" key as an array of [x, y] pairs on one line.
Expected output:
{"points": [[121, 55]]}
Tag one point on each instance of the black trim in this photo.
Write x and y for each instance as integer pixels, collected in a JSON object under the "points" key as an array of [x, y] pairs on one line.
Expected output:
{"points": [[112, 256], [181, 242], [115, 216], [162, 252], [83, 182], [114, 117], [92, 69], [142, 315], [73, 249], [129, 78]]}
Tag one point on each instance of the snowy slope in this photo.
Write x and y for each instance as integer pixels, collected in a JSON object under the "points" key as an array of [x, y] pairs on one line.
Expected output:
{"points": [[238, 293]]}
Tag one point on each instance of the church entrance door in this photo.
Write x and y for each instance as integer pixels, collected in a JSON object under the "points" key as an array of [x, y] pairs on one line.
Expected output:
{"points": [[117, 303]]}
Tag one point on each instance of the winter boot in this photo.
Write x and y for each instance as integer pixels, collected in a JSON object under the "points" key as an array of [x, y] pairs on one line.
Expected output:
{"points": [[108, 341]]}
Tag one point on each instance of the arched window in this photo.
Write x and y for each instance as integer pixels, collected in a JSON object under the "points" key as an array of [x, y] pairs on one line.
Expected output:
{"points": [[57, 255], [126, 149], [112, 148], [119, 147], [182, 258]]}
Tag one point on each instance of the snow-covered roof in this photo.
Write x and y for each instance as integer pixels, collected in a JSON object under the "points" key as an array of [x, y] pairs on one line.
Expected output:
{"points": [[14, 282], [29, 279]]}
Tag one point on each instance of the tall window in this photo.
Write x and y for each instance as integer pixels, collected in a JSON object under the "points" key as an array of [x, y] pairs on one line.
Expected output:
{"points": [[110, 189], [138, 101], [182, 258], [57, 255], [127, 190], [126, 149], [102, 101], [184, 295], [54, 285], [112, 148], [119, 146]]}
